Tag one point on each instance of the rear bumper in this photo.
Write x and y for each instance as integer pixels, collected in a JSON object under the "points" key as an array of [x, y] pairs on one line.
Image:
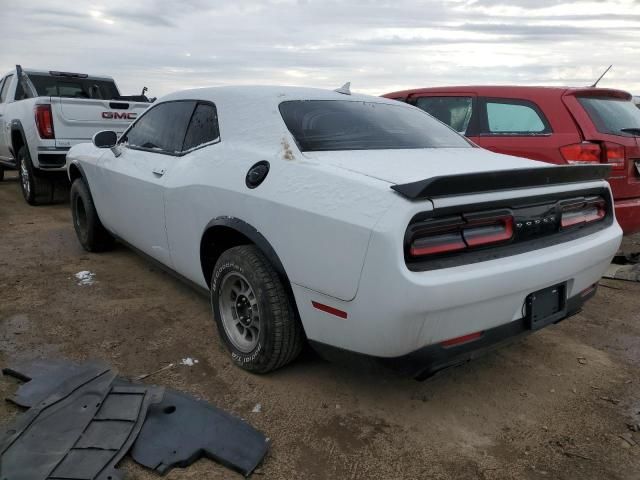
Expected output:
{"points": [[628, 215], [51, 159], [427, 361], [397, 312]]}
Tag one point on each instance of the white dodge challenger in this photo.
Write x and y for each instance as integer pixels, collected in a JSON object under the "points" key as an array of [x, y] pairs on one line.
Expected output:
{"points": [[360, 224]]}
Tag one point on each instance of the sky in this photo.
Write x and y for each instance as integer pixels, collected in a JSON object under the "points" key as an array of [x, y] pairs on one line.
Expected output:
{"points": [[379, 46]]}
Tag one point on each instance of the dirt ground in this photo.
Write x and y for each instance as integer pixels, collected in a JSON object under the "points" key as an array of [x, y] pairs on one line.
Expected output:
{"points": [[553, 406]]}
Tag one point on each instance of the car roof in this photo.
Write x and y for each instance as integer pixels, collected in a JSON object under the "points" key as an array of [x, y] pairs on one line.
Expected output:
{"points": [[527, 91], [250, 114], [266, 94]]}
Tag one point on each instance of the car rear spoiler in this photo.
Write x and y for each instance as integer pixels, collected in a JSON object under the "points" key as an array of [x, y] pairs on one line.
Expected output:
{"points": [[481, 182]]}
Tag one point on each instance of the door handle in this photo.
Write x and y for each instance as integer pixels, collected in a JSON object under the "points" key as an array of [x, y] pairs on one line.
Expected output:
{"points": [[159, 171]]}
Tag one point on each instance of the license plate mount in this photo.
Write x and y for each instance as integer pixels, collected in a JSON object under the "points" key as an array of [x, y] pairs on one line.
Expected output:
{"points": [[546, 306]]}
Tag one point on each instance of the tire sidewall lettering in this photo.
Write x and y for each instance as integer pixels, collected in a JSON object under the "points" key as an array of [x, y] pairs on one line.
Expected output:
{"points": [[219, 273]]}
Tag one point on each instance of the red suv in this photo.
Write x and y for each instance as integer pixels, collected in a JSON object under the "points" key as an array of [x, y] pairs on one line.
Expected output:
{"points": [[552, 124]]}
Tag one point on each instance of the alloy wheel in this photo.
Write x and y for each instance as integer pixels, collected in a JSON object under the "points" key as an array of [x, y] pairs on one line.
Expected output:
{"points": [[239, 311]]}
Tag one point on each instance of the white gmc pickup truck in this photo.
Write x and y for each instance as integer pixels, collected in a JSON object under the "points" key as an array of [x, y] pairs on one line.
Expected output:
{"points": [[44, 113]]}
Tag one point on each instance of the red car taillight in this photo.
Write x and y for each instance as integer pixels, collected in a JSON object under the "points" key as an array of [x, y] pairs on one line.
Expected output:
{"points": [[44, 121], [582, 213], [455, 234], [584, 152], [589, 152], [615, 155]]}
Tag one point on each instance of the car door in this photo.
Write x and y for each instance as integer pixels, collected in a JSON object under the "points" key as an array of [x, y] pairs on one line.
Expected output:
{"points": [[458, 110], [5, 124], [515, 127], [130, 192]]}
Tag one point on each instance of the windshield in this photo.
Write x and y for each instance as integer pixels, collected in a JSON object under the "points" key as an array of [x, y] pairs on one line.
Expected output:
{"points": [[612, 115], [321, 125], [52, 86]]}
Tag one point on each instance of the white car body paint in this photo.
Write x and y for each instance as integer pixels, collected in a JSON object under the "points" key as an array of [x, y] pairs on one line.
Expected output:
{"points": [[334, 222]]}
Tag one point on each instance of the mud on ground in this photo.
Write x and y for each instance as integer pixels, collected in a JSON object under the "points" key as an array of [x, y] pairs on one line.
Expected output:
{"points": [[553, 406]]}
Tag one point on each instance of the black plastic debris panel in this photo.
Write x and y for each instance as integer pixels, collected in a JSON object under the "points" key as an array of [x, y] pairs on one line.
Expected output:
{"points": [[181, 429], [79, 433], [83, 419], [44, 377]]}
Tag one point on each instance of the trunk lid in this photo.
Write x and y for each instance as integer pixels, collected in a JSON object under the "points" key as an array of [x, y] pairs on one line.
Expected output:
{"points": [[405, 166], [601, 115]]}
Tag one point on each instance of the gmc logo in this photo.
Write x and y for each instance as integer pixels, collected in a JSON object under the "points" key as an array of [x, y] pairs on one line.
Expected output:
{"points": [[119, 115]]}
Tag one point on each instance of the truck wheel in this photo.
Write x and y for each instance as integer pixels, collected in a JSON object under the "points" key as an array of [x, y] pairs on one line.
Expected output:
{"points": [[254, 314], [90, 232], [36, 190]]}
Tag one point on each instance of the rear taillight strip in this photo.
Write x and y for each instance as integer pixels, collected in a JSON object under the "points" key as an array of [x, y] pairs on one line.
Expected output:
{"points": [[469, 231], [461, 235], [498, 230], [588, 212]]}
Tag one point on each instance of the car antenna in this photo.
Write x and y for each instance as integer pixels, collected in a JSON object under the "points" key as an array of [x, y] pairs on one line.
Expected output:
{"points": [[595, 84], [344, 89]]}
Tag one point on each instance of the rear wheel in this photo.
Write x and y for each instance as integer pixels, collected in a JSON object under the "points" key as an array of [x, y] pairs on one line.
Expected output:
{"points": [[36, 189], [89, 230], [253, 311]]}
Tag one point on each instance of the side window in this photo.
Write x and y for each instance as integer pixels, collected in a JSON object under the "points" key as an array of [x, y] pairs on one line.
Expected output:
{"points": [[162, 128], [513, 117], [203, 127], [4, 89], [454, 111]]}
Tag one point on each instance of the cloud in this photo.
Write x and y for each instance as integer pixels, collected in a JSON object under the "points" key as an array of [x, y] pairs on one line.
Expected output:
{"points": [[378, 45]]}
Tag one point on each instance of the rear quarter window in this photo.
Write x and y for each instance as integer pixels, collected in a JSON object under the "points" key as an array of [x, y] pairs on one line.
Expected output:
{"points": [[203, 128], [612, 116], [514, 117]]}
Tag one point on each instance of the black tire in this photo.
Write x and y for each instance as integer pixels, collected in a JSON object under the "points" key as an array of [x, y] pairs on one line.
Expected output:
{"points": [[36, 190], [91, 234], [280, 337], [1, 174]]}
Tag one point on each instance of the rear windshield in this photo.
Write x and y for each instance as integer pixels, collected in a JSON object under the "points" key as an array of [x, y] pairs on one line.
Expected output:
{"points": [[321, 125], [613, 116], [51, 86]]}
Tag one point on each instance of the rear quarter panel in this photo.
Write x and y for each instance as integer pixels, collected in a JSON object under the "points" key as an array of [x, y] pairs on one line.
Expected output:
{"points": [[20, 116], [317, 218]]}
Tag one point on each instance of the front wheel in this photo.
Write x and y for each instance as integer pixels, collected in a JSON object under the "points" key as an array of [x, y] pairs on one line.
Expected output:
{"points": [[253, 311], [89, 230]]}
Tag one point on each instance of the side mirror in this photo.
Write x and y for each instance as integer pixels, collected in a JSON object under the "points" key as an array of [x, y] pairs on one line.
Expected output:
{"points": [[105, 139]]}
